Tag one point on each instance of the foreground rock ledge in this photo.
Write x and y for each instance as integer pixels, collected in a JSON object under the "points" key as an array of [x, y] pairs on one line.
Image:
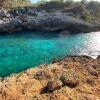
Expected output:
{"points": [[74, 78]]}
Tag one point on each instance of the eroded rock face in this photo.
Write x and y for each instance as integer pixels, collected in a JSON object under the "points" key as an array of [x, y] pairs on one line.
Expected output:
{"points": [[68, 79], [48, 22]]}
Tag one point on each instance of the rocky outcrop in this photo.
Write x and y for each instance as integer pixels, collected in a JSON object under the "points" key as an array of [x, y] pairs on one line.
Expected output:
{"points": [[46, 22], [69, 79]]}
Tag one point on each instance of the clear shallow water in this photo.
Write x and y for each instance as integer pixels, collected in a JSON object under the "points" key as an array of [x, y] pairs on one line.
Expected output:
{"points": [[21, 51]]}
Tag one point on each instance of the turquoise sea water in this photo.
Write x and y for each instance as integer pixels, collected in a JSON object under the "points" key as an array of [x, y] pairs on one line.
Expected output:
{"points": [[21, 51]]}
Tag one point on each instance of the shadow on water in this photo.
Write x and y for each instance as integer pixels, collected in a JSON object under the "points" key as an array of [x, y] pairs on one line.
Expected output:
{"points": [[33, 34]]}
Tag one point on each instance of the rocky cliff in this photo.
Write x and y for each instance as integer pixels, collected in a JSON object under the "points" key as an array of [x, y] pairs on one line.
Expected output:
{"points": [[43, 21], [74, 78]]}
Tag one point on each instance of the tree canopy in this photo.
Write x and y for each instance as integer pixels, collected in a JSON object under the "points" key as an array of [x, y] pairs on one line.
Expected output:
{"points": [[14, 3]]}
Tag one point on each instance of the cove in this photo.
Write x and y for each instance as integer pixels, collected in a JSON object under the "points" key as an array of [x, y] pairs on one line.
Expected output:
{"points": [[24, 50]]}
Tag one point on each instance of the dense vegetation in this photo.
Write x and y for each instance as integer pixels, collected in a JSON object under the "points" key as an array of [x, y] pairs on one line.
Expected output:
{"points": [[14, 3], [89, 11]]}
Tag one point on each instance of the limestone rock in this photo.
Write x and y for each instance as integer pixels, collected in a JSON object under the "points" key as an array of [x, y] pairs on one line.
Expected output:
{"points": [[54, 81]]}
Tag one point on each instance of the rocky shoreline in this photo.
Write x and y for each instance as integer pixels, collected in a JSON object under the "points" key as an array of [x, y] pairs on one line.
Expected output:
{"points": [[43, 21], [73, 78]]}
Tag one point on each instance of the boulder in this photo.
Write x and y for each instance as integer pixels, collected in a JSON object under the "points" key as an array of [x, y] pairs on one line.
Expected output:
{"points": [[69, 79], [53, 85]]}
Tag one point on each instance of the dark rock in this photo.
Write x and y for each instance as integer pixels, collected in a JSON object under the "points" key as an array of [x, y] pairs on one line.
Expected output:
{"points": [[95, 73], [52, 22], [69, 79], [53, 85], [2, 13], [92, 71], [12, 25], [42, 75], [90, 80], [64, 33], [98, 57]]}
